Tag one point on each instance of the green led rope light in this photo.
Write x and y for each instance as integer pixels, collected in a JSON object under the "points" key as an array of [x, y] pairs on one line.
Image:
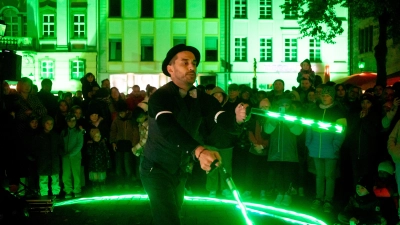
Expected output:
{"points": [[299, 120], [286, 215]]}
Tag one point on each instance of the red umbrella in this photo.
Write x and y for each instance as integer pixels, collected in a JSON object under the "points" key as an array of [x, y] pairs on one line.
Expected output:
{"points": [[365, 80]]}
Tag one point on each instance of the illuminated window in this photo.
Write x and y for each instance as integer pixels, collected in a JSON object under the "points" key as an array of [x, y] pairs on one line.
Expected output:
{"points": [[265, 49], [11, 18], [115, 50], [147, 8], [240, 9], [147, 49], [114, 7], [179, 8], [315, 50], [211, 49], [47, 69], [24, 26], [79, 25], [211, 8], [48, 25], [290, 14], [77, 69], [290, 50], [265, 9], [366, 39], [241, 49], [179, 40]]}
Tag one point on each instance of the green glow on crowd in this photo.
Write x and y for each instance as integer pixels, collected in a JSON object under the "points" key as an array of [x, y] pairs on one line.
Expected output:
{"points": [[270, 211], [300, 120]]}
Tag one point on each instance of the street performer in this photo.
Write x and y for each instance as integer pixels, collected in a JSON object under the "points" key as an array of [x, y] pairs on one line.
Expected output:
{"points": [[175, 113]]}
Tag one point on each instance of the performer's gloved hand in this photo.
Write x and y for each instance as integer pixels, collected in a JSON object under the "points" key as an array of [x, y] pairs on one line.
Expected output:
{"points": [[240, 112], [207, 157]]}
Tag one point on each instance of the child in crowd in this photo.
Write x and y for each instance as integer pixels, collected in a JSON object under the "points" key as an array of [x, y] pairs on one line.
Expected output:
{"points": [[306, 71], [363, 207], [46, 151], [386, 190], [99, 160], [257, 165], [72, 157], [82, 123], [88, 82], [282, 154], [124, 134]]}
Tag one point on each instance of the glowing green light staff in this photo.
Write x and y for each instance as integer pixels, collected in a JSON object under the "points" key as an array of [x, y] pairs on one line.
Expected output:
{"points": [[235, 192], [299, 120]]}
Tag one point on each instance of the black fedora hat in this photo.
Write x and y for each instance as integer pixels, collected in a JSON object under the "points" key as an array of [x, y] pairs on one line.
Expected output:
{"points": [[175, 50]]}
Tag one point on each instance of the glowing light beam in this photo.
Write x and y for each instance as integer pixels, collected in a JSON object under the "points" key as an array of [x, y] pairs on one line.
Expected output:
{"points": [[299, 120]]}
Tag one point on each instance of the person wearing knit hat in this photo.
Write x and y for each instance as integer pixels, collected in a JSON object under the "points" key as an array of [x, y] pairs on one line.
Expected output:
{"points": [[363, 207], [324, 147], [386, 166], [329, 90], [282, 152], [46, 151]]}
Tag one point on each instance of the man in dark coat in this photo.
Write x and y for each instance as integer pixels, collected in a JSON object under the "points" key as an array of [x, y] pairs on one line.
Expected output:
{"points": [[175, 113]]}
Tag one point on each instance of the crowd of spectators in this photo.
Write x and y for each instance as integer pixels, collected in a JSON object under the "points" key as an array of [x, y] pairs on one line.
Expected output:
{"points": [[93, 139]]}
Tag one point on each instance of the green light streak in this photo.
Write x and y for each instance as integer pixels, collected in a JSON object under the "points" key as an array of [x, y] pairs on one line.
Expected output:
{"points": [[242, 207], [287, 215], [299, 120]]}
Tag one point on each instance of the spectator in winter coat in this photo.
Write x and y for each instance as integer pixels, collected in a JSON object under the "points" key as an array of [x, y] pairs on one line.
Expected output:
{"points": [[282, 153], [363, 207], [46, 151], [324, 147]]}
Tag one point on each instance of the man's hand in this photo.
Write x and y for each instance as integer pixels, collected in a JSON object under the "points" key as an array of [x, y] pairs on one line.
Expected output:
{"points": [[240, 112], [207, 157], [258, 148], [353, 221]]}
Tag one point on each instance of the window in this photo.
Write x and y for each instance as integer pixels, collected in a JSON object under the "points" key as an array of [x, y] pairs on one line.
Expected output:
{"points": [[290, 14], [241, 49], [179, 40], [79, 25], [211, 8], [48, 25], [16, 23], [10, 17], [147, 49], [265, 49], [290, 50], [211, 49], [47, 69], [315, 50], [114, 7], [240, 9], [366, 39], [147, 9], [265, 9], [24, 26], [77, 69], [115, 50], [179, 8]]}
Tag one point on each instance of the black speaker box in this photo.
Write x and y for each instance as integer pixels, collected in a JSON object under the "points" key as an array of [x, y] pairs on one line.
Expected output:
{"points": [[10, 65]]}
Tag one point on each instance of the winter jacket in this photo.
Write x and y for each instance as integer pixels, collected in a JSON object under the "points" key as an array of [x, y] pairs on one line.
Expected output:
{"points": [[321, 143], [283, 141], [124, 129], [73, 141], [47, 150]]}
